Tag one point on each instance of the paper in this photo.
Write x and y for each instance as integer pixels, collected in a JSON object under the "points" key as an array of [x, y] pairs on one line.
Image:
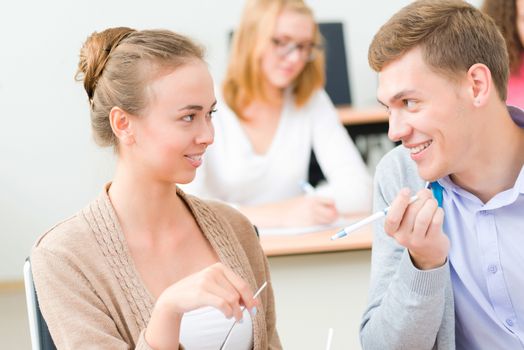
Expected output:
{"points": [[289, 231]]}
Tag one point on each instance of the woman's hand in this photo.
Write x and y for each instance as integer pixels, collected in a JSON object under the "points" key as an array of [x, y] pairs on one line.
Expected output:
{"points": [[305, 210], [215, 286], [308, 210]]}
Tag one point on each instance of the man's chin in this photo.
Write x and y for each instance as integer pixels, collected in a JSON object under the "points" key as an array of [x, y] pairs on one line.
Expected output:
{"points": [[429, 175]]}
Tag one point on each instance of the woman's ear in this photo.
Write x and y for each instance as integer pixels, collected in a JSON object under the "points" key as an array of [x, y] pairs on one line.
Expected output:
{"points": [[122, 125], [481, 84]]}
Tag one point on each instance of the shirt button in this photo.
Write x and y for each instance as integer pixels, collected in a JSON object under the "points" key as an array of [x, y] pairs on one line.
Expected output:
{"points": [[492, 268], [483, 213], [509, 322]]}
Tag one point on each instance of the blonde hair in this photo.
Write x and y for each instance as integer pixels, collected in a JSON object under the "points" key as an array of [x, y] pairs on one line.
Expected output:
{"points": [[453, 36], [242, 82], [116, 66], [504, 13]]}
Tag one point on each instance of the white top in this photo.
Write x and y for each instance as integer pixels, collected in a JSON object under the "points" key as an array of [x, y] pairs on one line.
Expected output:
{"points": [[206, 329], [234, 173]]}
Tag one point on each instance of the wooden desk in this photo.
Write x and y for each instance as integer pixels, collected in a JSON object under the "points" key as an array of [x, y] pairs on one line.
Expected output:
{"points": [[316, 242], [314, 292], [366, 115]]}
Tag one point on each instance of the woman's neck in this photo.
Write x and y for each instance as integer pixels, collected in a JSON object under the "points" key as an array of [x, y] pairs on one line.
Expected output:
{"points": [[142, 205], [262, 109]]}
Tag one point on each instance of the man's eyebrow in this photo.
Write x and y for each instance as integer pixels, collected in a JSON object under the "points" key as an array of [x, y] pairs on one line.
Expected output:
{"points": [[397, 96], [400, 95]]}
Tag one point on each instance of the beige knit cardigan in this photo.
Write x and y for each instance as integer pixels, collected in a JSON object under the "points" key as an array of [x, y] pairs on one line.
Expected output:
{"points": [[91, 295]]}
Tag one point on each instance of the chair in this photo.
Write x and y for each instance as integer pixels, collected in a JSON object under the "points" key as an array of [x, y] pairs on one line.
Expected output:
{"points": [[40, 336]]}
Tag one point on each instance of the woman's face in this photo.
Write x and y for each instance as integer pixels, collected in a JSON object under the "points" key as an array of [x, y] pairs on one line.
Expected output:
{"points": [[175, 130], [290, 48], [520, 20]]}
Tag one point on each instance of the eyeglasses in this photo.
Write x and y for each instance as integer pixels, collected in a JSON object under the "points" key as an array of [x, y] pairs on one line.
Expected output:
{"points": [[308, 51]]}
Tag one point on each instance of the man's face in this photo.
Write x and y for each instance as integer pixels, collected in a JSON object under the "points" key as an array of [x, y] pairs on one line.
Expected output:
{"points": [[429, 114]]}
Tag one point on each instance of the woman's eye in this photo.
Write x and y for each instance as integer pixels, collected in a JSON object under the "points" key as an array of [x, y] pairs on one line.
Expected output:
{"points": [[211, 113], [188, 118]]}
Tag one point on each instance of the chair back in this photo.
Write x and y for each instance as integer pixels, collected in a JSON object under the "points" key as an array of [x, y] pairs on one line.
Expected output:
{"points": [[40, 336]]}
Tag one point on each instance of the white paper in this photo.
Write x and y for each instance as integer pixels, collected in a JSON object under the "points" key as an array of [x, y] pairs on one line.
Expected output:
{"points": [[290, 231]]}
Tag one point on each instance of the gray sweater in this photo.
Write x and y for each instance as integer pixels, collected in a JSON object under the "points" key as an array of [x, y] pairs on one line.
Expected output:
{"points": [[408, 308]]}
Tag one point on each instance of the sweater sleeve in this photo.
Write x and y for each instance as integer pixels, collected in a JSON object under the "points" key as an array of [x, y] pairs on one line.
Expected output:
{"points": [[76, 317], [348, 180], [406, 305]]}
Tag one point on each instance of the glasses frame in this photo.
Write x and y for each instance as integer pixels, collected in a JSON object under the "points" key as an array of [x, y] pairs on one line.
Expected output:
{"points": [[307, 51]]}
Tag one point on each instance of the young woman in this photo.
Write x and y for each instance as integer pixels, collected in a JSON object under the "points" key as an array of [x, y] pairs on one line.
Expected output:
{"points": [[144, 265], [509, 17], [273, 112]]}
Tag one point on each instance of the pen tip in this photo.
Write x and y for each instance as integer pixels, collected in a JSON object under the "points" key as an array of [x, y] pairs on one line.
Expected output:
{"points": [[338, 235]]}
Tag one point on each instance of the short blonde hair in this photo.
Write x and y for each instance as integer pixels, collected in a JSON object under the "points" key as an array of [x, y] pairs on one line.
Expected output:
{"points": [[117, 64], [243, 76], [453, 36]]}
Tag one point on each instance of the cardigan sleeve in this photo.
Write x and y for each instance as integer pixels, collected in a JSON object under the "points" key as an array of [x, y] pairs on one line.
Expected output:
{"points": [[76, 317], [406, 305]]}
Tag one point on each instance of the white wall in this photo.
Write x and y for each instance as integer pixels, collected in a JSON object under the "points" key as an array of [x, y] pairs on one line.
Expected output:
{"points": [[49, 165]]}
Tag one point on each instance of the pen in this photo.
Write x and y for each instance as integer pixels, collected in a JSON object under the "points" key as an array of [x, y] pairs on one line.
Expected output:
{"points": [[330, 337], [257, 293], [307, 188], [379, 214]]}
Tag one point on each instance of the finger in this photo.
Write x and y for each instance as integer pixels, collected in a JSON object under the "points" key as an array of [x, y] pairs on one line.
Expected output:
{"points": [[224, 288], [325, 215], [396, 212], [244, 290], [422, 222], [214, 300], [325, 201], [435, 227], [410, 215], [225, 297]]}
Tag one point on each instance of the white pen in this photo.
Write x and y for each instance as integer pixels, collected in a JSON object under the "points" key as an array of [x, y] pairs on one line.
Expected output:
{"points": [[257, 293], [330, 338], [379, 214], [307, 188]]}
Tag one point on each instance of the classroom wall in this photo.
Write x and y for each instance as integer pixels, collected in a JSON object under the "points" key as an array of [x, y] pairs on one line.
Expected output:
{"points": [[49, 165]]}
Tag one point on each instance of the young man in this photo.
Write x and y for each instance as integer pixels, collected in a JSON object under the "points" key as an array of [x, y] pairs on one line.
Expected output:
{"points": [[449, 277]]}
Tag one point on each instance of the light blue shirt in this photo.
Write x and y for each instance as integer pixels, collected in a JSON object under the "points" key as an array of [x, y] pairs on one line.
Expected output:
{"points": [[487, 263]]}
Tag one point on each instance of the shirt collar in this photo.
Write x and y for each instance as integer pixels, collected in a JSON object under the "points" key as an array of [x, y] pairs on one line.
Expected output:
{"points": [[517, 115], [499, 200]]}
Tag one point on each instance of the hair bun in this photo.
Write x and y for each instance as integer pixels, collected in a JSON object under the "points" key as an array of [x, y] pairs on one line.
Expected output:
{"points": [[95, 53]]}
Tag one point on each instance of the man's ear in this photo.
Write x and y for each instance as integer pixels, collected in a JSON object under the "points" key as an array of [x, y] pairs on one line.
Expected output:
{"points": [[121, 124], [480, 84]]}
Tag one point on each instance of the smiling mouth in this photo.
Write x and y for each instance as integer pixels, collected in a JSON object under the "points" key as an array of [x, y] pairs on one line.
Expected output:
{"points": [[194, 157], [420, 148]]}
